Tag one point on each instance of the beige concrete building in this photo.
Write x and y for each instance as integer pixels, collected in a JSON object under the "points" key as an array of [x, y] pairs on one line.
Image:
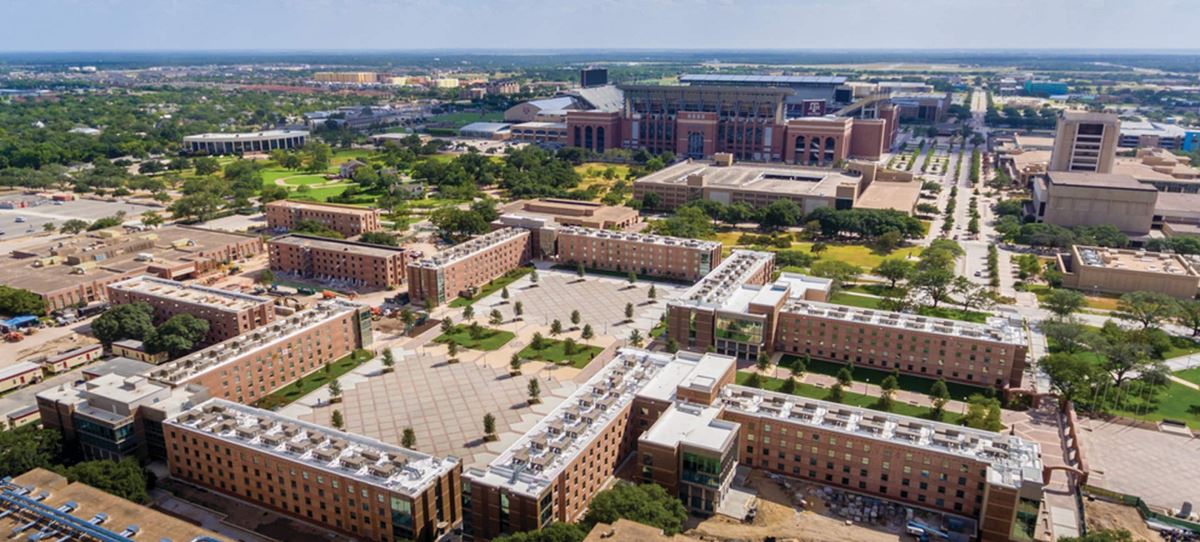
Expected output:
{"points": [[343, 263], [252, 366], [1071, 199], [19, 375], [755, 184], [463, 268], [1118, 271], [77, 270], [355, 78], [136, 350], [360, 487], [228, 313], [574, 213], [250, 142], [65, 361], [345, 219], [653, 255], [1085, 142]]}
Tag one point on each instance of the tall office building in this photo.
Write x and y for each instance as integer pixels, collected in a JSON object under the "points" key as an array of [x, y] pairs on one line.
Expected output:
{"points": [[1085, 141]]}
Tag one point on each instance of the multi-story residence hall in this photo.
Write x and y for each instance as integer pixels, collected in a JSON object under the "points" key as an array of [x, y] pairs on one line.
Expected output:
{"points": [[692, 317], [228, 313], [114, 416], [655, 255], [989, 354], [344, 219], [754, 184], [355, 265], [68, 272], [363, 488], [465, 267], [690, 427], [972, 473], [552, 472], [249, 367]]}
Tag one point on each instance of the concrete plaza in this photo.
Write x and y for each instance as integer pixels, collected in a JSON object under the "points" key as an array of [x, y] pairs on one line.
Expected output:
{"points": [[1161, 468]]}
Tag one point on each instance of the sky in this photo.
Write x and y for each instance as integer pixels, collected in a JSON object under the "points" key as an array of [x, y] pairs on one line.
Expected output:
{"points": [[119, 25]]}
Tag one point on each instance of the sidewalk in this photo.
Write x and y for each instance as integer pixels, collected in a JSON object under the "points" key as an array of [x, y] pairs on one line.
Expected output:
{"points": [[864, 388]]}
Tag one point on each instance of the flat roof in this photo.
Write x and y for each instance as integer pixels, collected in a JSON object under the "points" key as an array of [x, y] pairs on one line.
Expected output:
{"points": [[469, 248], [1088, 116], [533, 462], [490, 127], [366, 460], [224, 300], [1178, 204], [690, 425], [40, 493], [323, 207], [723, 281], [763, 79], [652, 239], [336, 245], [18, 369], [1011, 459], [997, 329], [890, 195], [280, 329], [570, 209], [792, 285], [120, 366], [1097, 180], [1134, 260], [246, 135], [773, 178], [1033, 141]]}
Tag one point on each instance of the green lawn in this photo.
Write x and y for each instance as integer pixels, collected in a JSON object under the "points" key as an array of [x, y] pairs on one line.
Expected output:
{"points": [[492, 287], [1181, 346], [1191, 375], [305, 385], [463, 118], [850, 398], [1176, 402], [554, 351], [865, 302], [860, 255], [913, 383], [489, 339]]}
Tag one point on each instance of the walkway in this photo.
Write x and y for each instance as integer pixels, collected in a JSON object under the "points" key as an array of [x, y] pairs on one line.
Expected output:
{"points": [[1047, 426]]}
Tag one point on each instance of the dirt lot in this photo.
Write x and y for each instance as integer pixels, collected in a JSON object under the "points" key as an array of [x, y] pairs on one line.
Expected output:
{"points": [[778, 518], [1107, 515]]}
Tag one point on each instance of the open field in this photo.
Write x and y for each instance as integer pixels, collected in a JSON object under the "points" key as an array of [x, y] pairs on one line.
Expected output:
{"points": [[958, 392], [463, 118], [488, 340], [860, 255], [848, 397], [554, 351]]}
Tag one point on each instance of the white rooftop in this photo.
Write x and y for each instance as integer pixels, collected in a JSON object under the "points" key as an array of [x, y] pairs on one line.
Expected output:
{"points": [[468, 248], [997, 328], [247, 135], [345, 454], [691, 425], [640, 237], [1011, 459], [226, 300], [718, 285]]}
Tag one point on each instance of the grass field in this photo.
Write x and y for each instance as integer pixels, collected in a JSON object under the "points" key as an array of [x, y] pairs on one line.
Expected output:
{"points": [[492, 287], [490, 339], [1098, 302], [916, 384], [1176, 402], [463, 118], [849, 398], [554, 352], [860, 255], [592, 174], [306, 385], [1191, 375]]}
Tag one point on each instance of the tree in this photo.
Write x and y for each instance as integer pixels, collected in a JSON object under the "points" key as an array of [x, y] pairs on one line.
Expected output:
{"points": [[447, 325], [837, 393], [894, 270], [780, 214], [17, 301], [489, 427], [495, 318], [73, 226], [632, 278], [635, 338], [127, 321], [317, 156], [587, 332], [152, 219], [840, 272], [556, 327], [196, 207], [518, 309], [888, 388], [629, 312], [575, 318], [818, 248], [379, 238], [409, 438], [788, 386], [652, 293], [941, 395], [452, 348], [28, 447], [533, 276], [1063, 303], [1188, 315], [468, 312], [336, 420], [845, 376], [763, 362], [648, 504], [335, 391], [1066, 335], [265, 277], [1122, 353], [389, 361], [554, 532], [1146, 308], [672, 345], [178, 335], [206, 165], [535, 391], [504, 293], [983, 413], [570, 347], [538, 342], [688, 222], [124, 478], [936, 284]]}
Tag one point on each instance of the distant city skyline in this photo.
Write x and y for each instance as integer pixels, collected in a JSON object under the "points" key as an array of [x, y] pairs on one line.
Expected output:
{"points": [[124, 25]]}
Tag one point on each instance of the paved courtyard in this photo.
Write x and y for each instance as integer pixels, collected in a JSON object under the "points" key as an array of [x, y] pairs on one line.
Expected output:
{"points": [[600, 300], [443, 403], [1161, 468]]}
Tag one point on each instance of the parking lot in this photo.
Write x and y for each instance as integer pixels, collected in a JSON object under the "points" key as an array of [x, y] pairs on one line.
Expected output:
{"points": [[31, 220]]}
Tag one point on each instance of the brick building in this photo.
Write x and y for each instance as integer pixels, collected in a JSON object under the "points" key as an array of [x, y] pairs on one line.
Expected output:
{"points": [[252, 366], [691, 317], [229, 314], [358, 265], [465, 267], [654, 255], [344, 219], [360, 487]]}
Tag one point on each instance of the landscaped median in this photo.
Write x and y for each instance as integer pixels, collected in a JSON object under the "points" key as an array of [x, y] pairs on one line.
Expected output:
{"points": [[310, 382], [475, 337], [492, 287], [554, 351]]}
